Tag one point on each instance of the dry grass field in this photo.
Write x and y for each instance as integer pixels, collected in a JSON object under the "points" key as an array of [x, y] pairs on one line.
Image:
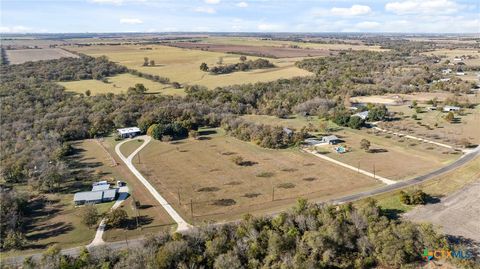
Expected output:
{"points": [[252, 41], [403, 158], [420, 97], [24, 55], [182, 65], [118, 84], [450, 54], [203, 172], [466, 126]]}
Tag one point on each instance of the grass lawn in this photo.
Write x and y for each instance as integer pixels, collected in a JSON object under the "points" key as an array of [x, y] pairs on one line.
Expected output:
{"points": [[404, 158], [202, 171], [119, 84], [465, 127], [182, 65], [129, 147], [438, 187], [152, 217]]}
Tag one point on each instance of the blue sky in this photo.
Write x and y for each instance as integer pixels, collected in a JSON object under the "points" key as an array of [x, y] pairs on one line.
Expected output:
{"points": [[413, 16]]}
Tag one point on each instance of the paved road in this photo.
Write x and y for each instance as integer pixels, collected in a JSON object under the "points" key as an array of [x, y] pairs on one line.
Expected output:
{"points": [[350, 198], [182, 225], [411, 182]]}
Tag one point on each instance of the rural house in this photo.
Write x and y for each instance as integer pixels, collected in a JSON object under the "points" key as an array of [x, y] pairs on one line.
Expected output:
{"points": [[128, 132], [331, 139], [88, 197], [451, 108]]}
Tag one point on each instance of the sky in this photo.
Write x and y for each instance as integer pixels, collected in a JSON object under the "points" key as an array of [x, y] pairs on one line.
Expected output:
{"points": [[103, 16]]}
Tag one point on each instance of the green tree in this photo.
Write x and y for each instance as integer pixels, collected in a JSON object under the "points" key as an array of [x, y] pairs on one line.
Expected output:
{"points": [[450, 117], [88, 93], [243, 58], [116, 218], [204, 67], [14, 240], [90, 215], [355, 122], [152, 62], [365, 144], [145, 61]]}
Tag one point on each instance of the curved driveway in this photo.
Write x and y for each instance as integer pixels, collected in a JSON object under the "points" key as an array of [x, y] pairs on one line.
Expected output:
{"points": [[182, 225]]}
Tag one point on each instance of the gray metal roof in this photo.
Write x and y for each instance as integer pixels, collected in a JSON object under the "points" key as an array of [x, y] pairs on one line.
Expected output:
{"points": [[101, 187], [129, 130], [88, 196], [110, 194], [330, 138], [363, 114]]}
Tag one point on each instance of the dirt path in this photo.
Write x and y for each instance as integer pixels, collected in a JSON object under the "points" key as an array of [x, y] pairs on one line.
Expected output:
{"points": [[458, 214]]}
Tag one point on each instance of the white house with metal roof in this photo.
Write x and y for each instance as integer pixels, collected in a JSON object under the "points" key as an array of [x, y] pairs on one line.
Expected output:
{"points": [[128, 132]]}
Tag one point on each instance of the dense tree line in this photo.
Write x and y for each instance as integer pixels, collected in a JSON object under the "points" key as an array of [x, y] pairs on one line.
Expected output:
{"points": [[242, 66], [263, 135], [307, 236]]}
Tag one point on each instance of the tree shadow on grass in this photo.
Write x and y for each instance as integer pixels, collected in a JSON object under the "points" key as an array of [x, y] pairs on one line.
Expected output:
{"points": [[51, 230], [207, 132], [392, 213]]}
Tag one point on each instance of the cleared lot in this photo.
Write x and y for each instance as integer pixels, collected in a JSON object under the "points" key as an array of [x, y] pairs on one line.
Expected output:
{"points": [[203, 174], [24, 55], [457, 214]]}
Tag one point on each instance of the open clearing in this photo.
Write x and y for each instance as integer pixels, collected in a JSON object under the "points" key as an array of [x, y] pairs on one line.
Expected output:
{"points": [[395, 158], [450, 54], [457, 214], [118, 84], [25, 55], [202, 172], [252, 41], [465, 126], [420, 97], [183, 65]]}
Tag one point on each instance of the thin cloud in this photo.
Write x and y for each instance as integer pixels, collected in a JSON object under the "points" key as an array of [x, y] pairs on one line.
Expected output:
{"points": [[423, 7], [355, 10], [130, 21], [212, 1], [15, 29], [242, 4], [208, 10], [268, 27]]}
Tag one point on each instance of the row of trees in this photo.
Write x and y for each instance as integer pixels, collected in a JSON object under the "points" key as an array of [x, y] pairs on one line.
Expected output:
{"points": [[307, 236], [242, 66], [263, 135]]}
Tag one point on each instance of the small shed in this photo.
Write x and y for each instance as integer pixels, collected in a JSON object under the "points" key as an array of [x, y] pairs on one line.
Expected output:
{"points": [[88, 197], [287, 131], [109, 195], [363, 115], [451, 108], [331, 139], [128, 132], [103, 182]]}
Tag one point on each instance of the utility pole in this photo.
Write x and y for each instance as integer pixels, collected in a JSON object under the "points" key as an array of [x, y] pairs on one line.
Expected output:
{"points": [[273, 194], [191, 208], [373, 171], [358, 167], [178, 196]]}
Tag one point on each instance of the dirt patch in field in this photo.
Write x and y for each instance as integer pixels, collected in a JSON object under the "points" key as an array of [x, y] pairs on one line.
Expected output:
{"points": [[262, 51], [457, 214]]}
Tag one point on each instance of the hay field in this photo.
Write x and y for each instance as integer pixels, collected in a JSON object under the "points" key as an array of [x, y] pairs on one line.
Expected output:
{"points": [[452, 53], [203, 171], [118, 84], [182, 65], [252, 41], [25, 55]]}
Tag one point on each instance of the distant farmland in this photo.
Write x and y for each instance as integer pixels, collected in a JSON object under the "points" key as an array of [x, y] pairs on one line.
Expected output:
{"points": [[25, 55]]}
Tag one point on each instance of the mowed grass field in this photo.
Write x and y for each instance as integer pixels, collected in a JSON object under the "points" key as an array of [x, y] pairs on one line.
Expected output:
{"points": [[402, 158], [183, 65], [202, 174], [152, 218], [119, 84], [466, 127], [450, 54], [252, 41]]}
